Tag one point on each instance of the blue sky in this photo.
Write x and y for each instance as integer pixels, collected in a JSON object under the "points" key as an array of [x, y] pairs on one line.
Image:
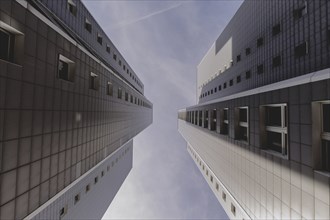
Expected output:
{"points": [[163, 41]]}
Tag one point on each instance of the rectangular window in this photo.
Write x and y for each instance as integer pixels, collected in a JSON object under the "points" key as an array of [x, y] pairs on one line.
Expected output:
{"points": [[217, 186], [215, 89], [301, 50], [242, 123], [131, 98], [276, 29], [214, 120], [248, 51], [260, 41], [238, 79], [87, 188], [277, 61], [274, 131], [96, 179], [231, 82], [206, 119], [119, 93], [325, 151], [119, 62], [233, 209], [99, 39], [94, 81], [126, 96], [260, 69], [114, 56], [72, 7], [224, 85], [248, 74], [300, 11], [224, 196], [238, 58], [88, 25], [63, 211], [108, 48], [224, 123], [76, 198], [11, 44], [109, 89], [124, 67], [211, 178], [66, 68], [220, 88], [200, 118]]}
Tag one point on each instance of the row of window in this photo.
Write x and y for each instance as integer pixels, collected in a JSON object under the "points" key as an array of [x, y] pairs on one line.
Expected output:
{"points": [[273, 127], [217, 187], [66, 71], [64, 209], [72, 7], [299, 51]]}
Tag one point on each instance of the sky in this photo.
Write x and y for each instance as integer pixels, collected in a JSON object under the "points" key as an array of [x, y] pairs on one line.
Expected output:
{"points": [[164, 41]]}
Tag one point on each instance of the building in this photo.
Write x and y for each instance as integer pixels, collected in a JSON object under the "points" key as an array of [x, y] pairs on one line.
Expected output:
{"points": [[259, 132], [70, 106]]}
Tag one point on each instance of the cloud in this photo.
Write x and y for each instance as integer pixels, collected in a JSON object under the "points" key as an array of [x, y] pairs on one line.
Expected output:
{"points": [[135, 20]]}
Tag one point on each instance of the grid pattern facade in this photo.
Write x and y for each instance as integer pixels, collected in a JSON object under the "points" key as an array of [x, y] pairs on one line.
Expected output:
{"points": [[52, 131], [277, 58]]}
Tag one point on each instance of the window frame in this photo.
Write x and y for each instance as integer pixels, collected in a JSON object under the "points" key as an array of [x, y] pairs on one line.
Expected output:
{"points": [[240, 124], [94, 81], [282, 129], [224, 122], [71, 68]]}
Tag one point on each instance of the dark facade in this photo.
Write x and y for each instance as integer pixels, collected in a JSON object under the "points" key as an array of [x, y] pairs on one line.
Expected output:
{"points": [[65, 102], [283, 39]]}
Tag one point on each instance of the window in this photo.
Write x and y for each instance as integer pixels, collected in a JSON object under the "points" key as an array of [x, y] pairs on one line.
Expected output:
{"points": [[206, 119], [248, 51], [208, 92], [217, 186], [76, 198], [238, 79], [274, 131], [66, 69], [211, 91], [94, 81], [63, 211], [87, 188], [233, 209], [224, 196], [114, 56], [277, 61], [242, 123], [124, 67], [72, 7], [96, 180], [321, 128], [200, 118], [213, 120], [7, 41], [11, 44], [131, 98], [207, 173], [211, 178], [248, 74], [126, 96], [108, 48], [300, 50], [224, 123], [276, 29], [215, 89], [119, 62], [238, 58], [300, 11], [109, 89], [102, 173], [224, 85], [260, 69], [220, 88], [260, 42], [119, 93], [99, 39], [231, 82], [88, 25]]}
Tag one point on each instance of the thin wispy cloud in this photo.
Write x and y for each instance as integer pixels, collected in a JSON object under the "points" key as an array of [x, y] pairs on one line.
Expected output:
{"points": [[135, 20]]}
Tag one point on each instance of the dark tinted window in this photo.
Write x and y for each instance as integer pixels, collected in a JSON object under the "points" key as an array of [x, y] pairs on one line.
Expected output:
{"points": [[326, 117]]}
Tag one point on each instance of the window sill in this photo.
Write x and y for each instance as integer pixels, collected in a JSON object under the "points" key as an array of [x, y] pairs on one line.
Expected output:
{"points": [[275, 153], [9, 62], [323, 173]]}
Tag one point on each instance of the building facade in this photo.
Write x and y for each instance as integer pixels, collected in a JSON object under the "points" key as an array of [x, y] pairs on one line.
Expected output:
{"points": [[70, 106], [259, 132]]}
